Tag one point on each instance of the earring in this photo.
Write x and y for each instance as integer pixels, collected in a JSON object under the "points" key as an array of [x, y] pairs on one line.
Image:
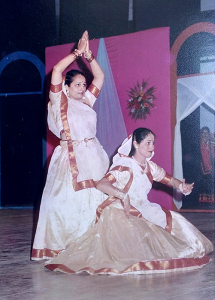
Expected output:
{"points": [[67, 92], [136, 147]]}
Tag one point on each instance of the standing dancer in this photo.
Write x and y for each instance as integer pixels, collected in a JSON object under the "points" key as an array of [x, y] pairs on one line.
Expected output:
{"points": [[70, 199]]}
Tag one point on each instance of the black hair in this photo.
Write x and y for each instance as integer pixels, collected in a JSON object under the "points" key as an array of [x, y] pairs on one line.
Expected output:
{"points": [[205, 128], [139, 135], [70, 75]]}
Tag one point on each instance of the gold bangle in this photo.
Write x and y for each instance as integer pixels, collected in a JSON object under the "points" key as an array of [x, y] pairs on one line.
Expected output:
{"points": [[89, 57], [76, 53]]}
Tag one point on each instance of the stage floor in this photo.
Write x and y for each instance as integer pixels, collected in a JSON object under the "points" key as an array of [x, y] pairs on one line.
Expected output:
{"points": [[22, 279]]}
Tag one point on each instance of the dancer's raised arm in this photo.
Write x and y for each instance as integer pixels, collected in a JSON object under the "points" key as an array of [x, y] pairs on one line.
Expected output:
{"points": [[83, 48], [95, 67], [66, 61]]}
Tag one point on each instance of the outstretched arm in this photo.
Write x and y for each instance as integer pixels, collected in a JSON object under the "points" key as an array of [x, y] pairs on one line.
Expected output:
{"points": [[106, 187]]}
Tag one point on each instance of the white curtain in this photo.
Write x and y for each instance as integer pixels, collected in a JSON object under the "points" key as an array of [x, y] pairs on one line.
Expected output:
{"points": [[191, 93]]}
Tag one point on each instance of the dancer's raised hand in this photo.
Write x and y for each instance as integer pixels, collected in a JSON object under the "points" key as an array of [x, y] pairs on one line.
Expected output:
{"points": [[83, 42]]}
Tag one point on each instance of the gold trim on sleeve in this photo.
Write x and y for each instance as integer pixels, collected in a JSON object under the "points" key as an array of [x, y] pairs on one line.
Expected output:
{"points": [[110, 178], [166, 179], [56, 88], [94, 90]]}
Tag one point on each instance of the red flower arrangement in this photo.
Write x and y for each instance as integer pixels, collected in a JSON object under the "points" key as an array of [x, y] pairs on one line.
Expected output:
{"points": [[140, 101]]}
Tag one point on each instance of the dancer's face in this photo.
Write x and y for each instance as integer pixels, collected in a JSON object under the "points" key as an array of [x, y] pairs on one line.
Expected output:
{"points": [[205, 135], [77, 88], [146, 147]]}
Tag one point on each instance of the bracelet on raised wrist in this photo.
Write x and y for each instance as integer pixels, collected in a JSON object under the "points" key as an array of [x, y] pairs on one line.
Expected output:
{"points": [[89, 57], [76, 53]]}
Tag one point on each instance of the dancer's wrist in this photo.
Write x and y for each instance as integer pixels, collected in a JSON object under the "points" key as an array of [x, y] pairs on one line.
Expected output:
{"points": [[89, 56], [120, 195], [76, 53]]}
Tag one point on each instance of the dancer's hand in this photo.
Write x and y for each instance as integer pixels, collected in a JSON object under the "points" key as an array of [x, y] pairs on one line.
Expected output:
{"points": [[186, 188], [87, 49], [127, 206], [83, 42]]}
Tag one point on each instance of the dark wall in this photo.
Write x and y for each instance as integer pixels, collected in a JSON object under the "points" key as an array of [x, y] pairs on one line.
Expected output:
{"points": [[27, 26], [100, 18], [32, 26], [176, 14], [199, 45]]}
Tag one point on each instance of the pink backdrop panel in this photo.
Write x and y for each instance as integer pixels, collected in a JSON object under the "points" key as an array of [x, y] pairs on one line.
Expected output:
{"points": [[136, 56], [146, 55]]}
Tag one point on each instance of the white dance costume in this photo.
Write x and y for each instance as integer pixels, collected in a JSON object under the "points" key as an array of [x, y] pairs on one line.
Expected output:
{"points": [[152, 240], [70, 199]]}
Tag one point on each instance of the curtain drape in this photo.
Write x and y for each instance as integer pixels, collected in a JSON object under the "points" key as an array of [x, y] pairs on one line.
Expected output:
{"points": [[111, 129], [191, 93]]}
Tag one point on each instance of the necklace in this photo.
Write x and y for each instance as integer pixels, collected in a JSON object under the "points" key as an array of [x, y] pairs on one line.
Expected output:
{"points": [[143, 165]]}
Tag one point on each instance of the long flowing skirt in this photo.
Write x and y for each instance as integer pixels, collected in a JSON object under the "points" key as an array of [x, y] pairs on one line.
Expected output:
{"points": [[65, 214], [117, 245]]}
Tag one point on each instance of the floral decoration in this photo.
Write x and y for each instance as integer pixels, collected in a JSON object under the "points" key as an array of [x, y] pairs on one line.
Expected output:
{"points": [[140, 100]]}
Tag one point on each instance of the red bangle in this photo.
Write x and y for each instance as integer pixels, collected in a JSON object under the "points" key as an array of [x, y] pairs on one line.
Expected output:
{"points": [[90, 57], [76, 53]]}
